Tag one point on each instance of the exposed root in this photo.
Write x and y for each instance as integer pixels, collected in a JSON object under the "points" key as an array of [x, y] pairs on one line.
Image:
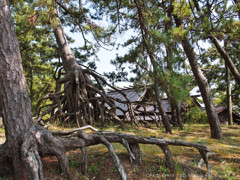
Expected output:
{"points": [[135, 149], [131, 155], [84, 160], [169, 159], [77, 139], [31, 158], [74, 130], [114, 156], [58, 143], [78, 100], [81, 101], [205, 159]]}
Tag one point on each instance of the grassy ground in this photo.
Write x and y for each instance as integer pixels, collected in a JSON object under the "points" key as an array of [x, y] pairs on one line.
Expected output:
{"points": [[224, 165]]}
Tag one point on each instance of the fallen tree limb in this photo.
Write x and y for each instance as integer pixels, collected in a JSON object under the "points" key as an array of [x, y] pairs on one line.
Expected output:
{"points": [[74, 130], [48, 144], [58, 143]]}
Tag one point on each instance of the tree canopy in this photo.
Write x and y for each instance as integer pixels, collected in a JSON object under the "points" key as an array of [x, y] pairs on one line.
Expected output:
{"points": [[201, 19], [163, 33]]}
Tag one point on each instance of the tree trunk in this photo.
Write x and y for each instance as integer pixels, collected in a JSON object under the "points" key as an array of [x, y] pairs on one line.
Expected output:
{"points": [[150, 53], [227, 59], [15, 103], [229, 96], [169, 46], [72, 68], [202, 84], [163, 114], [229, 92], [68, 58], [220, 49], [179, 118], [173, 112]]}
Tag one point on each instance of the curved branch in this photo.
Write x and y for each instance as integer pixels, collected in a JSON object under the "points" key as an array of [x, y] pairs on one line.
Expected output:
{"points": [[116, 160], [74, 130], [226, 58]]}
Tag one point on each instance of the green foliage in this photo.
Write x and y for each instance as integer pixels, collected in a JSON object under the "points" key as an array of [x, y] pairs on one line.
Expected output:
{"points": [[38, 51], [181, 9], [74, 163], [163, 169], [179, 85], [161, 56], [114, 77], [195, 115], [94, 167], [178, 33]]}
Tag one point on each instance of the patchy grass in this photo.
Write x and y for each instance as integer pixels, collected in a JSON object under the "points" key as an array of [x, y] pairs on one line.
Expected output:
{"points": [[225, 164]]}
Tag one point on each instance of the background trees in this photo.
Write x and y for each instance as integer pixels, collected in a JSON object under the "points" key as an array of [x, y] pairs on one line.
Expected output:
{"points": [[38, 49], [161, 35], [186, 29]]}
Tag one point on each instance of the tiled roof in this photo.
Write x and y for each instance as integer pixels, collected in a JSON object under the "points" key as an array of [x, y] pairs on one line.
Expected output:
{"points": [[133, 95], [220, 109], [154, 108]]}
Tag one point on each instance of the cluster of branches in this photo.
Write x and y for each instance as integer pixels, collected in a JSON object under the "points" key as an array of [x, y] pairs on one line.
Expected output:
{"points": [[81, 101]]}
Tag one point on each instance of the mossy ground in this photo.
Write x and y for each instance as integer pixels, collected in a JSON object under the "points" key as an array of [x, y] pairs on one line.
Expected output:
{"points": [[225, 164]]}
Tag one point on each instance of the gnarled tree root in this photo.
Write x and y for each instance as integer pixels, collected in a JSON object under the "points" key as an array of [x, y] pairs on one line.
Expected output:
{"points": [[57, 143], [64, 141]]}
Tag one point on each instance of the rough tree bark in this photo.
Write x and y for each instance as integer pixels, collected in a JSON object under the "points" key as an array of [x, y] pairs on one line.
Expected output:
{"points": [[15, 104], [202, 82]]}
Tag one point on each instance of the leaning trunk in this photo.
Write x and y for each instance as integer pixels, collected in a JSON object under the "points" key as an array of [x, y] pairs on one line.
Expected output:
{"points": [[68, 58], [229, 97], [219, 48], [75, 80], [227, 59], [15, 104], [163, 114], [150, 53], [202, 84]]}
